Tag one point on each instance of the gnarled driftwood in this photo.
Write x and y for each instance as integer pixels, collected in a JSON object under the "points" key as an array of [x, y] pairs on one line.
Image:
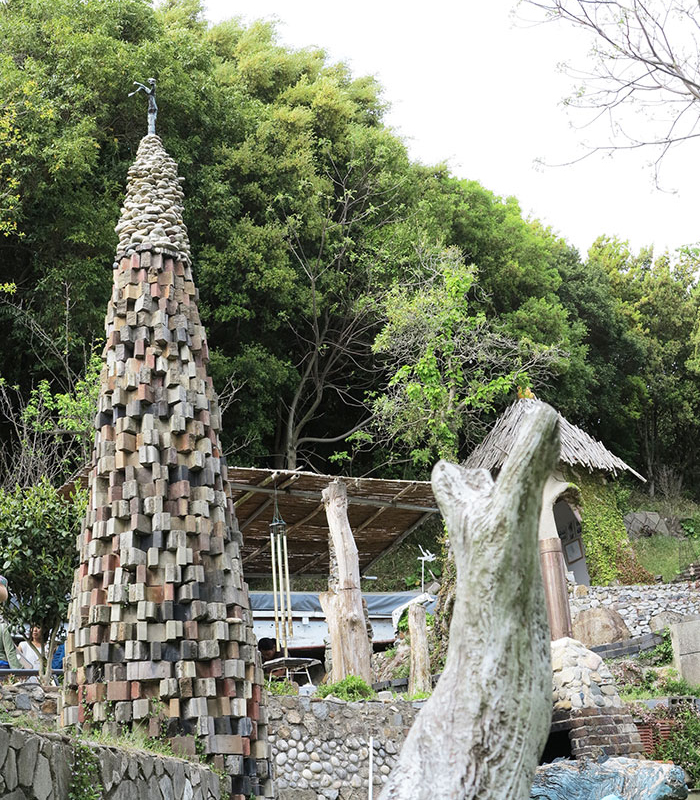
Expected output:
{"points": [[342, 604], [481, 733]]}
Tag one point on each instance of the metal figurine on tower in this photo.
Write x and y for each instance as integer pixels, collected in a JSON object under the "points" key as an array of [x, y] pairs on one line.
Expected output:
{"points": [[150, 91]]}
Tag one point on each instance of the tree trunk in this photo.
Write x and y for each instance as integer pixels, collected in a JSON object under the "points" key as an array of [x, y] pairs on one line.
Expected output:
{"points": [[419, 677], [342, 603], [481, 733]]}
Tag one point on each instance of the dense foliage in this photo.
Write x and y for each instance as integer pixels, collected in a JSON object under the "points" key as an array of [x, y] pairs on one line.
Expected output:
{"points": [[371, 313], [38, 556]]}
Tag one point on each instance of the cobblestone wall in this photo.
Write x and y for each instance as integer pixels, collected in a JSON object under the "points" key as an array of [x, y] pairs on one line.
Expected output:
{"points": [[321, 747], [37, 766], [639, 604]]}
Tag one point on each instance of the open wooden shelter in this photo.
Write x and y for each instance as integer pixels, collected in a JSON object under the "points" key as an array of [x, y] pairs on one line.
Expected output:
{"points": [[382, 513]]}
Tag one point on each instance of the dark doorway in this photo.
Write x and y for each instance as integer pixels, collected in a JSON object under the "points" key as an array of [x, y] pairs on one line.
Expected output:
{"points": [[558, 746]]}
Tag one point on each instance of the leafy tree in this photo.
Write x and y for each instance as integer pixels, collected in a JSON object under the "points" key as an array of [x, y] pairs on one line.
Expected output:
{"points": [[38, 529], [640, 313], [448, 365]]}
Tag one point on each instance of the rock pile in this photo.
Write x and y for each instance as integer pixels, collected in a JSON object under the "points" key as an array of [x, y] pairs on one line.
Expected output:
{"points": [[43, 766], [639, 605], [587, 705], [29, 699], [160, 629], [580, 678], [151, 217], [321, 747]]}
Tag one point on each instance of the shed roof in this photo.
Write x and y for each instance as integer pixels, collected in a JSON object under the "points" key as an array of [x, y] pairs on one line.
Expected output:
{"points": [[577, 447], [381, 513]]}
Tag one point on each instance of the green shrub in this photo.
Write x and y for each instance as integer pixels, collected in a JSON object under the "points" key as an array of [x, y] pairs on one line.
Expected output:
{"points": [[38, 556], [351, 689], [282, 686], [683, 745]]}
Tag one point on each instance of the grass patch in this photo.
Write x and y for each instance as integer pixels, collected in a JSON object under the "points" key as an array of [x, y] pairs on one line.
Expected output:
{"points": [[136, 738], [350, 689], [666, 555], [27, 721]]}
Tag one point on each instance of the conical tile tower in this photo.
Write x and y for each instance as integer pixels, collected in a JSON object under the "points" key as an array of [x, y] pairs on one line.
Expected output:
{"points": [[160, 628]]}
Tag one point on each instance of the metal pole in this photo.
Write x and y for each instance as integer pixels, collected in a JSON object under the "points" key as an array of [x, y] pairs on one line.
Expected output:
{"points": [[290, 621], [274, 589], [283, 613], [371, 765]]}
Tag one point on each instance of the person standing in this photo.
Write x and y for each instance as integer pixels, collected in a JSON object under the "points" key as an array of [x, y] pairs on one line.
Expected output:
{"points": [[31, 654]]}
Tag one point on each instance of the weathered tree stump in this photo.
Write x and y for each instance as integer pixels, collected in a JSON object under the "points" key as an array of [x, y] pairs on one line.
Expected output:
{"points": [[419, 675], [481, 733], [342, 603]]}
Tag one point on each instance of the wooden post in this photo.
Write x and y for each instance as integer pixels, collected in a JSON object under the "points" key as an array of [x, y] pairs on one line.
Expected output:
{"points": [[481, 733], [555, 591], [342, 603], [419, 676]]}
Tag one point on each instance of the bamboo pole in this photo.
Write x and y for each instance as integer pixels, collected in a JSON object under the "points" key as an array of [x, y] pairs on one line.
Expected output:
{"points": [[274, 589], [283, 612], [290, 621]]}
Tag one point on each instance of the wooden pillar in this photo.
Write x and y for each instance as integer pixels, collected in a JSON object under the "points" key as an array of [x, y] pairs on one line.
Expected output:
{"points": [[419, 676], [481, 733], [555, 590], [342, 603]]}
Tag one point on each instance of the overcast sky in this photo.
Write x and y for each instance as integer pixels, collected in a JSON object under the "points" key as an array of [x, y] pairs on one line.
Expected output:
{"points": [[469, 85]]}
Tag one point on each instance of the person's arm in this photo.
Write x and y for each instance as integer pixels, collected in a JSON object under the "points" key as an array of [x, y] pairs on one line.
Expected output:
{"points": [[8, 650]]}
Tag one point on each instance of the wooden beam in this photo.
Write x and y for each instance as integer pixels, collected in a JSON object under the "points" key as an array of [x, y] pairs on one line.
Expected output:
{"points": [[356, 501], [258, 511], [351, 650], [308, 517], [312, 562], [291, 528], [248, 495]]}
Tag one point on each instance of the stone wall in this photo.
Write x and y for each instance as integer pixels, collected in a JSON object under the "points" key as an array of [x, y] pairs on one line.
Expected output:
{"points": [[37, 766], [321, 747], [29, 699], [587, 705], [639, 604]]}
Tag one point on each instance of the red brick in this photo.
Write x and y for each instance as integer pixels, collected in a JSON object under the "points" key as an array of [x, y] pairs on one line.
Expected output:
{"points": [[118, 690]]}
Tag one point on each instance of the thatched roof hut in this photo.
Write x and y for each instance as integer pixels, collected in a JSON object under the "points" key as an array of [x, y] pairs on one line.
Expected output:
{"points": [[577, 447]]}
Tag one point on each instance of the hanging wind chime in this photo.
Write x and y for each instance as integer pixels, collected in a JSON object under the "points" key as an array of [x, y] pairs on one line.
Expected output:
{"points": [[282, 601]]}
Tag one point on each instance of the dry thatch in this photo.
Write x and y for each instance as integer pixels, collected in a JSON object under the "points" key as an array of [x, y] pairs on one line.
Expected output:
{"points": [[577, 447]]}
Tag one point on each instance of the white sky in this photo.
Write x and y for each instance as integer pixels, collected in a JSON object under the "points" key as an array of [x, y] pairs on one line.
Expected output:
{"points": [[468, 86]]}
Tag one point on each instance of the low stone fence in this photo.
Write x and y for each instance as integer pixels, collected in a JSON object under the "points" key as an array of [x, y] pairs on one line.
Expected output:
{"points": [[41, 766], [321, 747], [639, 604], [29, 699]]}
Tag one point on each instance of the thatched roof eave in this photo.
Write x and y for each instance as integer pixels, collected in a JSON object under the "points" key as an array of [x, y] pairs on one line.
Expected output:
{"points": [[578, 449]]}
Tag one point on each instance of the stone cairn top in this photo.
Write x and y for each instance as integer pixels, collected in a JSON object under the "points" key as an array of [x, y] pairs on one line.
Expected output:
{"points": [[581, 679], [151, 217], [588, 706], [160, 631]]}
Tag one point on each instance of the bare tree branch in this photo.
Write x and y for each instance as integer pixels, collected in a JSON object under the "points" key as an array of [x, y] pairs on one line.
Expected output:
{"points": [[646, 57]]}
